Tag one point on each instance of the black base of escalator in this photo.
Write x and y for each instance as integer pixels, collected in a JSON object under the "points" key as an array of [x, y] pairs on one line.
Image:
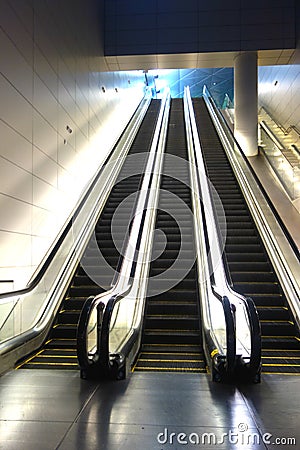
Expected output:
{"points": [[250, 268], [172, 339], [59, 351]]}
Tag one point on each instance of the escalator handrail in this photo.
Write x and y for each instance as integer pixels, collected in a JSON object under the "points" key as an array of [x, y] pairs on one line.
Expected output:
{"points": [[107, 301], [66, 228], [252, 320], [230, 335], [200, 185], [255, 359], [283, 265], [224, 287]]}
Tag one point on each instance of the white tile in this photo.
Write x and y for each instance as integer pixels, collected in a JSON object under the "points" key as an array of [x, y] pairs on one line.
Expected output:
{"points": [[44, 136], [24, 11], [45, 71], [17, 22], [65, 180], [66, 128], [15, 147], [15, 68], [45, 196], [39, 248], [44, 101], [15, 250], [15, 182], [66, 78], [44, 167], [66, 100], [17, 217], [44, 223], [15, 109]]}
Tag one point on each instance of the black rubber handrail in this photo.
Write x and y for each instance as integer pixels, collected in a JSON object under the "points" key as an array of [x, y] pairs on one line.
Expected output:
{"points": [[230, 335], [255, 358], [34, 282]]}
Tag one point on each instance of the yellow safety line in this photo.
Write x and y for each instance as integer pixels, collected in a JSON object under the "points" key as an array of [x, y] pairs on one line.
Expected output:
{"points": [[29, 359], [54, 364], [282, 373], [280, 337], [60, 349], [280, 357], [280, 365], [278, 350], [58, 356]]}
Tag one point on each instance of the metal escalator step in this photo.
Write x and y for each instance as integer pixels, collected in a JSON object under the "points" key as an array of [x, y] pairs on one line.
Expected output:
{"points": [[249, 277], [249, 289], [277, 328], [166, 322], [273, 313], [280, 353], [171, 336], [171, 366], [69, 316], [244, 257], [64, 331], [281, 342], [253, 266], [84, 291], [267, 299], [242, 248], [170, 307], [66, 343]]}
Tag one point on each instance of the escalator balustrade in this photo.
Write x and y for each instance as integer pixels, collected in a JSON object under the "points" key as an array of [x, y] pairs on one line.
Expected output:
{"points": [[90, 277], [250, 268]]}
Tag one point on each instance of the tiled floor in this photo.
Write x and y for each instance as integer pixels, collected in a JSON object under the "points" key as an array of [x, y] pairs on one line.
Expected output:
{"points": [[43, 409]]}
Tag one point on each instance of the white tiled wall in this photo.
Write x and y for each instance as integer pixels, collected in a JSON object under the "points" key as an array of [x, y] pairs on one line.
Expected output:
{"points": [[51, 74], [281, 99]]}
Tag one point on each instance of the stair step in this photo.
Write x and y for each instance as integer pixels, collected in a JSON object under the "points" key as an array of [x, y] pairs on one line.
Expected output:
{"points": [[277, 328], [171, 322], [273, 313]]}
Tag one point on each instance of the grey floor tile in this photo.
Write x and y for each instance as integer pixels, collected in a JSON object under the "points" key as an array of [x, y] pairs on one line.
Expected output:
{"points": [[17, 434], [43, 396], [62, 411]]}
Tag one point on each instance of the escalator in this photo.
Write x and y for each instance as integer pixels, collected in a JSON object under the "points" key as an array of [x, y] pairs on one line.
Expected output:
{"points": [[171, 339], [91, 277], [249, 266]]}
